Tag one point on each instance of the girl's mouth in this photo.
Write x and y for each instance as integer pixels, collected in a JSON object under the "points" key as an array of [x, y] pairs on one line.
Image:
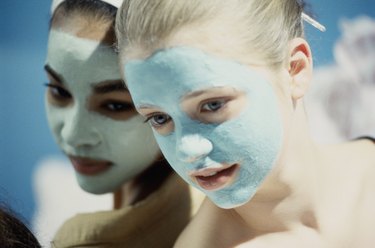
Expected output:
{"points": [[215, 178], [89, 167]]}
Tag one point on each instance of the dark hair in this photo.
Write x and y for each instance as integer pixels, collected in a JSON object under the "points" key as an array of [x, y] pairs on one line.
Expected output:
{"points": [[93, 10], [13, 232], [95, 7]]}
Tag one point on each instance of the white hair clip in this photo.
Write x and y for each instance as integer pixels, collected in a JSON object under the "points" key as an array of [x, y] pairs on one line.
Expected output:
{"points": [[312, 22]]}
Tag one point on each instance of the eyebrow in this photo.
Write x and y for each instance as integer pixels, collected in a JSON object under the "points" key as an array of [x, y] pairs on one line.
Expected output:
{"points": [[200, 92], [110, 86], [53, 74], [147, 106], [194, 94], [99, 88]]}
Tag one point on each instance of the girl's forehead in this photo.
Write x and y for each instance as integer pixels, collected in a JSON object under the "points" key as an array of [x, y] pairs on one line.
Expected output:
{"points": [[178, 71], [181, 64], [81, 60]]}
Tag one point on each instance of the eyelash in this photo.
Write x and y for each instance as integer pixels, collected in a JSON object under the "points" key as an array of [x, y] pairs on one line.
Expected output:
{"points": [[149, 117], [223, 102], [126, 106], [61, 91]]}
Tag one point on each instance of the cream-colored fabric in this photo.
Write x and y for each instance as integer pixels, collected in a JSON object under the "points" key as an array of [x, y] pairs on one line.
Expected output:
{"points": [[154, 222]]}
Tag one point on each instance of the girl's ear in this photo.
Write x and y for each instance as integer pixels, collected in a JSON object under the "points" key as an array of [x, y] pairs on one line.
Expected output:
{"points": [[299, 67]]}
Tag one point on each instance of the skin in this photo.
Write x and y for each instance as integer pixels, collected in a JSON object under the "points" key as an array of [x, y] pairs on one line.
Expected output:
{"points": [[109, 99], [316, 196]]}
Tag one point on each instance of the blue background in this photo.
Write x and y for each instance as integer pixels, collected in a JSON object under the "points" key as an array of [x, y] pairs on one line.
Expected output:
{"points": [[24, 134]]}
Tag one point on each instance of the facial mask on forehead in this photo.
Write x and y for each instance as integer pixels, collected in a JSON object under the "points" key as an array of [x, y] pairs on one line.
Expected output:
{"points": [[252, 139], [96, 62], [128, 145]]}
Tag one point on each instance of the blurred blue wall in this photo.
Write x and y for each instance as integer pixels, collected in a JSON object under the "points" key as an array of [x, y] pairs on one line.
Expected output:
{"points": [[24, 135], [329, 13]]}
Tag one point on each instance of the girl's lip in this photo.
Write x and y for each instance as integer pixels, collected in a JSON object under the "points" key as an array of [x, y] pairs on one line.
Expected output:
{"points": [[215, 178], [88, 166]]}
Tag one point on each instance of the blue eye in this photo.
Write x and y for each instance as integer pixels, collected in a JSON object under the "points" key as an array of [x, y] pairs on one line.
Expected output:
{"points": [[157, 120], [213, 106]]}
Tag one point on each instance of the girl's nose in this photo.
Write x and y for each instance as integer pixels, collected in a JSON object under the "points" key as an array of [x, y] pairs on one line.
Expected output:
{"points": [[79, 131], [193, 147]]}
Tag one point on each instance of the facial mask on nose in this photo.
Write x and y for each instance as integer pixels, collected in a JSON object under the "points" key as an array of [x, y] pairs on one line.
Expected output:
{"points": [[193, 147], [252, 139], [129, 145]]}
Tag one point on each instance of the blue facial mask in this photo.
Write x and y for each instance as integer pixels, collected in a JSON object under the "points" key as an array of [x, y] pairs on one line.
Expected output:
{"points": [[251, 139]]}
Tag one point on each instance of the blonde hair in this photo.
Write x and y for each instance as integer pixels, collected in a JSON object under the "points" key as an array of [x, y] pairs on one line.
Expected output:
{"points": [[261, 27]]}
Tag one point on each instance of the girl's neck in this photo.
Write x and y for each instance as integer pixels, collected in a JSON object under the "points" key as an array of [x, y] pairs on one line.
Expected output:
{"points": [[286, 198], [143, 185]]}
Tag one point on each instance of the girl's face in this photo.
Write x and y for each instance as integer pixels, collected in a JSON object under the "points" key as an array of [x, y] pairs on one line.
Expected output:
{"points": [[216, 121], [91, 114]]}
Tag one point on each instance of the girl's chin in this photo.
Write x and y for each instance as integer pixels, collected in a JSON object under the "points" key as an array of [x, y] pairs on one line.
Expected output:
{"points": [[93, 188]]}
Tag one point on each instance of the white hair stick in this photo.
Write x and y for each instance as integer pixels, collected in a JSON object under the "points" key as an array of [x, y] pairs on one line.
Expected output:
{"points": [[313, 22]]}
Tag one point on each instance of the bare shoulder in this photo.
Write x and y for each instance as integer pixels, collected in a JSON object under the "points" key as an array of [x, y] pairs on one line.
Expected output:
{"points": [[356, 155], [368, 152], [294, 238], [349, 168], [349, 165], [347, 194], [364, 147]]}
